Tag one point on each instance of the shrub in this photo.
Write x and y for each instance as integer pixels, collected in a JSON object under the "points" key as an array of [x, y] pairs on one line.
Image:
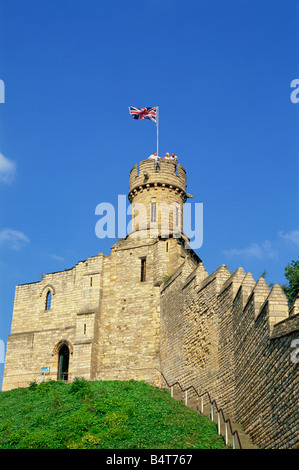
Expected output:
{"points": [[115, 419], [40, 439], [88, 441], [33, 385], [45, 387], [108, 404], [80, 387], [120, 433]]}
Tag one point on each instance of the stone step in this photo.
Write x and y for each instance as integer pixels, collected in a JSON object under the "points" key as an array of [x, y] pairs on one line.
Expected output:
{"points": [[195, 404]]}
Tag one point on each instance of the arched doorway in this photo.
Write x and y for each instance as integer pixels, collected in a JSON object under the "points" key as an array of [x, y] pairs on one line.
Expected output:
{"points": [[63, 362]]}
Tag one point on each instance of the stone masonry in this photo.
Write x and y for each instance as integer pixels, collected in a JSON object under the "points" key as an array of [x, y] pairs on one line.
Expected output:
{"points": [[150, 308], [102, 310], [237, 339]]}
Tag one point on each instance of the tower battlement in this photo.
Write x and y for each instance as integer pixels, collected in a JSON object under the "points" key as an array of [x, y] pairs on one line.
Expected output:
{"points": [[157, 196], [169, 175]]}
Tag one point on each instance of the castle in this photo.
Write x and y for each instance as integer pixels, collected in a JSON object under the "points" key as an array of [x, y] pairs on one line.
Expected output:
{"points": [[149, 311]]}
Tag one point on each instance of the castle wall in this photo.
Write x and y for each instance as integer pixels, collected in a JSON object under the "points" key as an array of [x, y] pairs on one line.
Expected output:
{"points": [[232, 337], [108, 316], [225, 373], [172, 326], [190, 333], [128, 328], [37, 332], [128, 341], [266, 379]]}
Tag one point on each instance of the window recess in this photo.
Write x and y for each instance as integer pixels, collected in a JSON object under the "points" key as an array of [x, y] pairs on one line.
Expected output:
{"points": [[143, 270]]}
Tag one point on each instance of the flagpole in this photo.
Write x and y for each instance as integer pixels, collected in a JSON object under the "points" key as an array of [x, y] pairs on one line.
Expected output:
{"points": [[157, 130]]}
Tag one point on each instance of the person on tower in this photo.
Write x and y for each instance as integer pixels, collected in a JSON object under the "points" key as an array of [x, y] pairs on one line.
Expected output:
{"points": [[155, 157], [174, 158]]}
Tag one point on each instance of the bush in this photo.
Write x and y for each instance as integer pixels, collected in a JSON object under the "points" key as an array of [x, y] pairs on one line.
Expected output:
{"points": [[40, 439], [115, 419], [46, 387], [120, 433], [80, 386], [88, 441], [33, 385], [108, 404]]}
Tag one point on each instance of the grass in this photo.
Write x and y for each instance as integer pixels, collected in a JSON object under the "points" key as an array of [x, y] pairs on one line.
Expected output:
{"points": [[100, 414]]}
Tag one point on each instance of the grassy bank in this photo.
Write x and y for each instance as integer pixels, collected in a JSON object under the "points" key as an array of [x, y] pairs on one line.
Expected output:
{"points": [[109, 415]]}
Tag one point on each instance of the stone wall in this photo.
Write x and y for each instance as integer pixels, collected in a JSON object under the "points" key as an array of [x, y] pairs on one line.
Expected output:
{"points": [[266, 379], [127, 343], [108, 316], [36, 332], [172, 325], [189, 339], [232, 337]]}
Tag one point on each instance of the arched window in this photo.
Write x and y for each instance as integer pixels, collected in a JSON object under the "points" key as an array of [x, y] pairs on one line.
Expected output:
{"points": [[63, 362], [48, 300], [143, 269], [153, 210]]}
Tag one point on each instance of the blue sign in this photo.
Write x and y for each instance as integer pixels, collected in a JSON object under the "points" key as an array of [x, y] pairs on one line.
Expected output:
{"points": [[45, 370]]}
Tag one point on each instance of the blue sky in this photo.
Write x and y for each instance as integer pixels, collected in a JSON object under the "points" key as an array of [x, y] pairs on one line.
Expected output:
{"points": [[220, 72]]}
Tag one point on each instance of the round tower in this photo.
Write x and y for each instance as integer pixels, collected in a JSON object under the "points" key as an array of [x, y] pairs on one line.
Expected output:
{"points": [[157, 197]]}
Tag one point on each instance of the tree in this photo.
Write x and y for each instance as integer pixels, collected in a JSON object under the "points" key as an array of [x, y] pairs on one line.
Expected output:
{"points": [[291, 289]]}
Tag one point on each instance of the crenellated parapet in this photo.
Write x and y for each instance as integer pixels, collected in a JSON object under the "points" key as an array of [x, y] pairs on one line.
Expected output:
{"points": [[238, 339], [169, 177], [260, 296], [157, 194]]}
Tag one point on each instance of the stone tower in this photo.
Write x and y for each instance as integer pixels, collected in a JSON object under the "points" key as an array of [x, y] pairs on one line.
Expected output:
{"points": [[103, 321], [157, 197]]}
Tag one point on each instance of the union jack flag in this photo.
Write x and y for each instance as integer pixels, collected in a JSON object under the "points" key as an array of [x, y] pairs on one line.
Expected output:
{"points": [[144, 113]]}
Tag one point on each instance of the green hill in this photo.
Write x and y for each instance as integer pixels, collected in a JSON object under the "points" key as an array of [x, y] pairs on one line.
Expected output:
{"points": [[108, 415]]}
